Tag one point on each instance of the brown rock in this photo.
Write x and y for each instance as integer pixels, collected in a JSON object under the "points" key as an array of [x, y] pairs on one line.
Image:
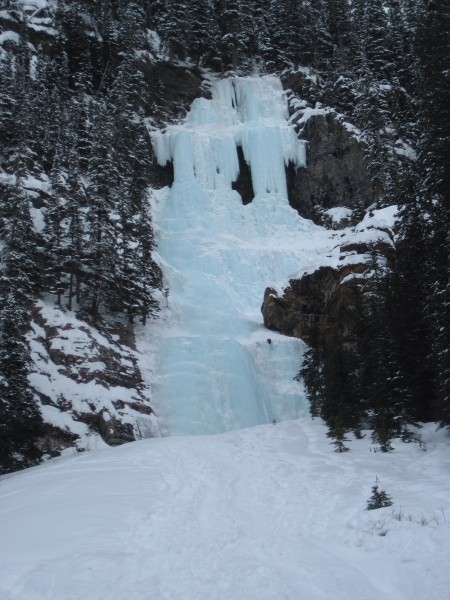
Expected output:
{"points": [[319, 301], [336, 174]]}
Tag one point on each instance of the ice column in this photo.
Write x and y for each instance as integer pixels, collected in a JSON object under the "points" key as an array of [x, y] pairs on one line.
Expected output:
{"points": [[216, 369]]}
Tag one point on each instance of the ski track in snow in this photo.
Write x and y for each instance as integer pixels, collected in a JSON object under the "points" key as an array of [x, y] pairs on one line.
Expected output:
{"points": [[265, 513]]}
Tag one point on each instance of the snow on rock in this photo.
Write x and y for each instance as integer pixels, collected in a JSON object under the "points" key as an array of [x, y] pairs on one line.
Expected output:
{"points": [[9, 36], [338, 216], [382, 218], [351, 245], [321, 294], [89, 384], [268, 513]]}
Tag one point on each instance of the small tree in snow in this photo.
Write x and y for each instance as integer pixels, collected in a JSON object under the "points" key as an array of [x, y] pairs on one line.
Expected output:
{"points": [[379, 498]]}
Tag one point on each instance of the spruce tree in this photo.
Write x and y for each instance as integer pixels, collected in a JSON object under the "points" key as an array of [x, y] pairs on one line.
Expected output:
{"points": [[377, 52], [100, 249], [312, 375], [75, 226], [8, 103], [54, 232], [20, 420], [232, 34], [385, 386], [379, 498], [21, 268], [174, 29], [204, 34]]}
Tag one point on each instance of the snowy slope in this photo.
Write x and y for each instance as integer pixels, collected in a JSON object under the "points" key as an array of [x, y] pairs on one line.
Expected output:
{"points": [[267, 513]]}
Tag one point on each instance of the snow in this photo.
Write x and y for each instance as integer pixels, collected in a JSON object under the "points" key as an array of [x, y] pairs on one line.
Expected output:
{"points": [[154, 41], [43, 28], [28, 5], [72, 381], [37, 216], [213, 368], [308, 112], [265, 513], [404, 149], [9, 36], [339, 214], [383, 218]]}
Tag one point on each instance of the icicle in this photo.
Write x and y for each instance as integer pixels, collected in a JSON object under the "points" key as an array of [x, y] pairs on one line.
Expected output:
{"points": [[244, 111]]}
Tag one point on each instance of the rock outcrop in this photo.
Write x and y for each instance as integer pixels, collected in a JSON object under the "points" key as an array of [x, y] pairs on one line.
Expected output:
{"points": [[336, 174], [88, 382], [321, 301], [325, 302]]}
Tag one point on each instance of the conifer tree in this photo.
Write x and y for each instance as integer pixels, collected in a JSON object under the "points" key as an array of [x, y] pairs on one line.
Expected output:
{"points": [[20, 420], [232, 34], [433, 48], [386, 391], [378, 56], [174, 28], [132, 28], [100, 250], [54, 232], [204, 34], [264, 52], [74, 258], [291, 27], [323, 47], [340, 409], [312, 376], [379, 498], [340, 32], [21, 269], [413, 327], [8, 103]]}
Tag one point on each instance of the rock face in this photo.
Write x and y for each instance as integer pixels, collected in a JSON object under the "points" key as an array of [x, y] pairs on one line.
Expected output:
{"points": [[319, 301], [243, 185], [336, 173], [87, 380], [326, 302]]}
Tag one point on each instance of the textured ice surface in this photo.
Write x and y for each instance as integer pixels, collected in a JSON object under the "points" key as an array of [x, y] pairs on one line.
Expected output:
{"points": [[216, 369]]}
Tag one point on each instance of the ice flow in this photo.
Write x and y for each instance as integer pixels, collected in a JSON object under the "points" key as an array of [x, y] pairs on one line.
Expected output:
{"points": [[217, 370]]}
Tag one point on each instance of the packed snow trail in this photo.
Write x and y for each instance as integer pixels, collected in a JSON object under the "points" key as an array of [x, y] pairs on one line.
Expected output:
{"points": [[216, 371], [265, 513]]}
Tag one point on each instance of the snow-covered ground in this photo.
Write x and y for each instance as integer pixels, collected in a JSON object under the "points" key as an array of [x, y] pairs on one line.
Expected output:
{"points": [[265, 513]]}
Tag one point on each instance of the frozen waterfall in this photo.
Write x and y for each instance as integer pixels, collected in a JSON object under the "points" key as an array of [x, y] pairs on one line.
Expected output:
{"points": [[216, 370]]}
